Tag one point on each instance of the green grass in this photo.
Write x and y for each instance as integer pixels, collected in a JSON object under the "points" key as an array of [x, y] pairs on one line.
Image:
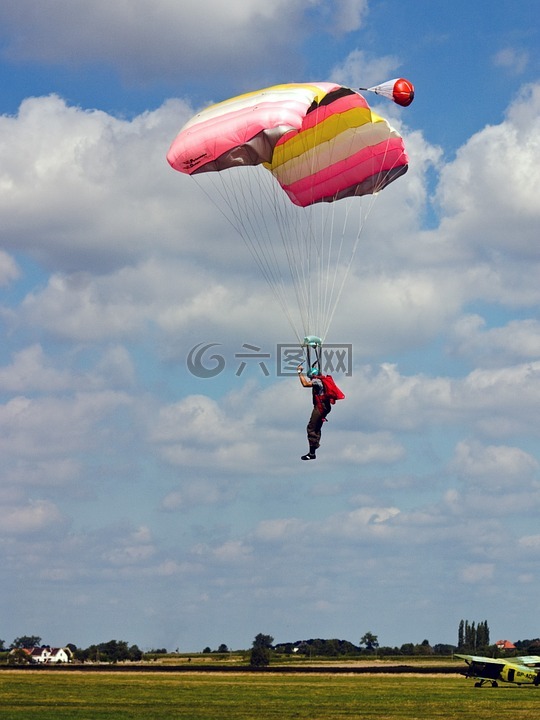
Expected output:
{"points": [[168, 696]]}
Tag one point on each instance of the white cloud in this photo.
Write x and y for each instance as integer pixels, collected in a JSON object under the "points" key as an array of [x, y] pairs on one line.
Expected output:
{"points": [[30, 370], [359, 69], [347, 15], [154, 39], [86, 191], [51, 427], [370, 448], [488, 200], [514, 60], [493, 401], [495, 467], [37, 516], [198, 432], [530, 542], [478, 573], [194, 493], [134, 549], [516, 341], [9, 270]]}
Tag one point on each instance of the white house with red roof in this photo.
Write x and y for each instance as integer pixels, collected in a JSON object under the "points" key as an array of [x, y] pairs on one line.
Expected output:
{"points": [[47, 654], [505, 645]]}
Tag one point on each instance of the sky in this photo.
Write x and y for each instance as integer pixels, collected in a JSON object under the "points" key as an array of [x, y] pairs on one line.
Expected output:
{"points": [[144, 500]]}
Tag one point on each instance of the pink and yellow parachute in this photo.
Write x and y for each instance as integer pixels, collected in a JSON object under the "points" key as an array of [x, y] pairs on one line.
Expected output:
{"points": [[322, 143]]}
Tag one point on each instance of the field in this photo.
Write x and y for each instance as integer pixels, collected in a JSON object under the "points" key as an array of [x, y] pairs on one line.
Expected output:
{"points": [[201, 696]]}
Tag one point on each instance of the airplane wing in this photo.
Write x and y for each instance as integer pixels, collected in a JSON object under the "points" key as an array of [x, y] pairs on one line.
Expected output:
{"points": [[529, 660], [484, 660]]}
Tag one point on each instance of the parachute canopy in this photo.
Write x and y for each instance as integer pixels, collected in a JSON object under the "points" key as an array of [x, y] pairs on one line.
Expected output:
{"points": [[274, 161], [321, 141]]}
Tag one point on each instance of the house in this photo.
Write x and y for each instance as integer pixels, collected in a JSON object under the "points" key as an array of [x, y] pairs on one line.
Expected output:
{"points": [[505, 645], [47, 654]]}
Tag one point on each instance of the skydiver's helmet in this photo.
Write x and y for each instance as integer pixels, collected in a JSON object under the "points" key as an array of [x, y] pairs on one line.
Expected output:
{"points": [[313, 372]]}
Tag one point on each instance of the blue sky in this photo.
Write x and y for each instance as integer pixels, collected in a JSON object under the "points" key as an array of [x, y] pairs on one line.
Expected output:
{"points": [[141, 503]]}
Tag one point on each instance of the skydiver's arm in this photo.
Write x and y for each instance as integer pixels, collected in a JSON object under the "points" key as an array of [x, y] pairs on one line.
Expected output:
{"points": [[303, 379]]}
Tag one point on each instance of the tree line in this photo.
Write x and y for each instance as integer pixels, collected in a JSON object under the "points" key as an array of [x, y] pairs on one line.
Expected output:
{"points": [[472, 637], [112, 651]]}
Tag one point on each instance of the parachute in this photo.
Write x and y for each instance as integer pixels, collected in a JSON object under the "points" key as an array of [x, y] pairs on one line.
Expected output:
{"points": [[276, 161]]}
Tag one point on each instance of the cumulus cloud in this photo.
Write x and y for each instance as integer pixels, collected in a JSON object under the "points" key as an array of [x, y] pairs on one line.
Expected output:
{"points": [[494, 466], [35, 517], [84, 190], [513, 60], [31, 370], [478, 573], [361, 69], [518, 340], [197, 430], [8, 269], [135, 268], [195, 493], [487, 198], [152, 39]]}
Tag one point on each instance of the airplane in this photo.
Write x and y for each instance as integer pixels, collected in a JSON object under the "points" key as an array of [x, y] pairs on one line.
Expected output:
{"points": [[518, 670]]}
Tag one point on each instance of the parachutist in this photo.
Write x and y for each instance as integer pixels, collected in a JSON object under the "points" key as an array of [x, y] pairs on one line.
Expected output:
{"points": [[325, 392], [321, 408], [322, 143]]}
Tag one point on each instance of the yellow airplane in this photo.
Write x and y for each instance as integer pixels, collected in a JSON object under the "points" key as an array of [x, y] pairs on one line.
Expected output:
{"points": [[518, 670]]}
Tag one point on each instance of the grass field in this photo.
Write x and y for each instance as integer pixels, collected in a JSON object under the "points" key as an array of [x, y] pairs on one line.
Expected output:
{"points": [[155, 696]]}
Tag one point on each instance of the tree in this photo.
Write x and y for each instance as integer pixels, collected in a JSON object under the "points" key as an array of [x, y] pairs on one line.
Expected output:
{"points": [[370, 641], [223, 648], [18, 656], [113, 651], [473, 636], [444, 649], [26, 641], [260, 657], [482, 635], [260, 653], [135, 653], [264, 641]]}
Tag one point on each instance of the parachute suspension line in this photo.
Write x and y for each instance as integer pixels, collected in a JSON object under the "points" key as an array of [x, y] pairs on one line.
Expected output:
{"points": [[363, 215], [243, 205], [366, 206], [270, 198], [318, 252], [333, 259], [289, 224], [336, 248]]}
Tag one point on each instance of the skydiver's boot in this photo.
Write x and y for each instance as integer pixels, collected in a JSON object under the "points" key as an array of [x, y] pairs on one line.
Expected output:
{"points": [[311, 454]]}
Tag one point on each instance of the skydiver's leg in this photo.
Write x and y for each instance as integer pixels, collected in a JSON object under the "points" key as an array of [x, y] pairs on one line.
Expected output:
{"points": [[314, 427]]}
